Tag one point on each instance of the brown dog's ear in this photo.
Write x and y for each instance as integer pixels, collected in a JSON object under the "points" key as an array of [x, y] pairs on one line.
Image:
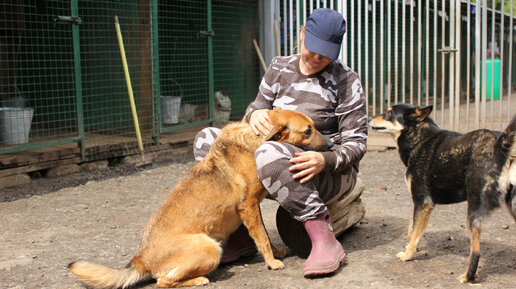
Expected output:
{"points": [[279, 129], [422, 112], [278, 133]]}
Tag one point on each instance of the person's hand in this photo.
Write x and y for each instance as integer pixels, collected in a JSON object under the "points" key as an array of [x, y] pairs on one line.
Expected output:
{"points": [[260, 122], [308, 164]]}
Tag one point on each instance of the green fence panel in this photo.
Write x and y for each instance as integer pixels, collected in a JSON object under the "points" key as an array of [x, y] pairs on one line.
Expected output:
{"points": [[60, 61], [236, 67], [36, 73], [183, 61], [107, 112]]}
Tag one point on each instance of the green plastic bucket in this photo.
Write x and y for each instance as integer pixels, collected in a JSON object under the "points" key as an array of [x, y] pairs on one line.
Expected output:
{"points": [[496, 79]]}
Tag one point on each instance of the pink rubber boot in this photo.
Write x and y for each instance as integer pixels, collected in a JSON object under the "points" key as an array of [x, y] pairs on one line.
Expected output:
{"points": [[327, 253], [238, 245]]}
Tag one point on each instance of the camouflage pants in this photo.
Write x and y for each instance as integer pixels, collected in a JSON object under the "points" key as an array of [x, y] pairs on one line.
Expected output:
{"points": [[302, 201]]}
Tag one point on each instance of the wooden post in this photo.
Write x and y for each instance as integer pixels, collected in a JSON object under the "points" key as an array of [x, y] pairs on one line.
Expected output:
{"points": [[259, 55]]}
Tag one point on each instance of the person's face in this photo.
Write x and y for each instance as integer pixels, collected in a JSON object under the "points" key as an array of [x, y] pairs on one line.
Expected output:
{"points": [[312, 62]]}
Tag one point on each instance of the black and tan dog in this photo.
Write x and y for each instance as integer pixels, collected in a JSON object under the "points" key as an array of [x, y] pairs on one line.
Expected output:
{"points": [[180, 244], [445, 167]]}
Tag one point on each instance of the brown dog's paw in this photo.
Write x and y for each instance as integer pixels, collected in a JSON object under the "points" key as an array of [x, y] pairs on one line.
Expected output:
{"points": [[275, 264], [405, 256], [279, 252]]}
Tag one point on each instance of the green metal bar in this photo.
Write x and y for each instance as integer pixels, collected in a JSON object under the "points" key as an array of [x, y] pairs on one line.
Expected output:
{"points": [[210, 64], [78, 78], [156, 79], [32, 146]]}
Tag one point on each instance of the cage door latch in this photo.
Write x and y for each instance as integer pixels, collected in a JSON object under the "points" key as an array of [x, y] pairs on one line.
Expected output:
{"points": [[206, 33], [68, 19], [447, 50]]}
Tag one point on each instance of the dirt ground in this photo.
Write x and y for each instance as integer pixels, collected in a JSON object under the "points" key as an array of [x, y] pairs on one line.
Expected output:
{"points": [[98, 218]]}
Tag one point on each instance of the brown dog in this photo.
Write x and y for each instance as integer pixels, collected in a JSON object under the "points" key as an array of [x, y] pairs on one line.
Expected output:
{"points": [[180, 244]]}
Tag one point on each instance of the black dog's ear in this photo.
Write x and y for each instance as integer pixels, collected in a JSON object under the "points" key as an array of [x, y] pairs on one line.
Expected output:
{"points": [[421, 112]]}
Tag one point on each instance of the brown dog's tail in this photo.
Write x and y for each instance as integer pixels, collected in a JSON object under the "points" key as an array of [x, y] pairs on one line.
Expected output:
{"points": [[106, 277]]}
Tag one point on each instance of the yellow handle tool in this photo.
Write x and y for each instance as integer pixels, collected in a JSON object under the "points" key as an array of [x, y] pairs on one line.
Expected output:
{"points": [[129, 86]]}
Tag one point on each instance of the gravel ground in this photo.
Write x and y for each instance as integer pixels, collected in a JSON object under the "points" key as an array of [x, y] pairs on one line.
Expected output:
{"points": [[49, 224]]}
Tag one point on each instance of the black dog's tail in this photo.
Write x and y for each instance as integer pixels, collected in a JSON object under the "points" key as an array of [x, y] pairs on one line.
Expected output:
{"points": [[502, 175]]}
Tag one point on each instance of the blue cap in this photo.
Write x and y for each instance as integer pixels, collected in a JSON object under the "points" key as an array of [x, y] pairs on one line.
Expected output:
{"points": [[324, 30]]}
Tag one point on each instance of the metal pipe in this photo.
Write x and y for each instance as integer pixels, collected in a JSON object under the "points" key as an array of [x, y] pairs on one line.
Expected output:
{"points": [[292, 29], [436, 8], [285, 44], [374, 57], [359, 38], [396, 41], [478, 35], [403, 51], [298, 22], [345, 44], [501, 63], [419, 49], [352, 35], [509, 79], [427, 52], [389, 53], [366, 58], [382, 78], [411, 24], [458, 47], [468, 62], [484, 68], [451, 88], [339, 9], [493, 41], [443, 69]]}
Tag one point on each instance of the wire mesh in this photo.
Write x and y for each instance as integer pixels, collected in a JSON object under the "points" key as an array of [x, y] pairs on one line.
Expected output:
{"points": [[61, 62], [236, 67], [37, 71], [183, 60], [109, 124]]}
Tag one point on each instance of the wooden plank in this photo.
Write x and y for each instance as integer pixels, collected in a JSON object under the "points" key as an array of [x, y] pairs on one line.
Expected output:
{"points": [[25, 158], [13, 159], [38, 166], [44, 158]]}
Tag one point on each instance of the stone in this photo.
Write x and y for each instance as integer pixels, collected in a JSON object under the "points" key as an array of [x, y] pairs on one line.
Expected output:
{"points": [[63, 170]]}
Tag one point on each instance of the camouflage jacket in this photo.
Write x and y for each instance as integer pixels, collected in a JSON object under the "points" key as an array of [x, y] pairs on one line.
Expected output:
{"points": [[333, 98]]}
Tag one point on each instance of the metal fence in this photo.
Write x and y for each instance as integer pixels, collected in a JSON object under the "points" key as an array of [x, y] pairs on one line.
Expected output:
{"points": [[426, 52], [62, 79]]}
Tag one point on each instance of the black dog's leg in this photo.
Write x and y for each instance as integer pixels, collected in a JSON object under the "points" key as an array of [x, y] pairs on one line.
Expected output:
{"points": [[510, 201], [474, 254], [418, 224], [423, 207], [416, 228]]}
